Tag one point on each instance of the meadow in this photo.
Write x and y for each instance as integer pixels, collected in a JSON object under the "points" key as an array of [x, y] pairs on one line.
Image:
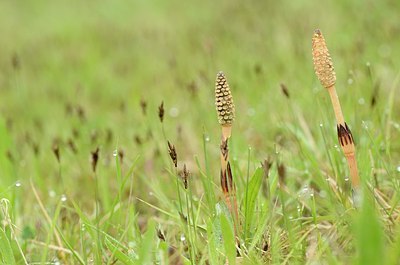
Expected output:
{"points": [[97, 97]]}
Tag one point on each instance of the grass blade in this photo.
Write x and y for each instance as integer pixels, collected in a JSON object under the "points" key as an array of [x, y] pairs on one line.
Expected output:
{"points": [[369, 235], [6, 252]]}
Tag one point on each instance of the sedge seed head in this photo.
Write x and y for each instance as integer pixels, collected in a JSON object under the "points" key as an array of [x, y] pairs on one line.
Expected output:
{"points": [[223, 100], [323, 65]]}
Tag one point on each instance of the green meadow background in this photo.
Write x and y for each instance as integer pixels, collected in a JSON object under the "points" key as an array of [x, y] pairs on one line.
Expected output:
{"points": [[80, 75]]}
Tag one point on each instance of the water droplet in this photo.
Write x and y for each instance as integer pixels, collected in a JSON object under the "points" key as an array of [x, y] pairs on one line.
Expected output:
{"points": [[346, 179], [350, 81], [321, 125], [183, 238], [83, 227], [174, 112], [115, 153], [368, 64], [18, 184], [361, 101], [398, 169], [207, 138], [63, 198], [151, 193], [290, 217], [52, 193]]}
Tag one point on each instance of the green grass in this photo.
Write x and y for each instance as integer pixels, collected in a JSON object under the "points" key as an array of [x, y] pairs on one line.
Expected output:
{"points": [[75, 75]]}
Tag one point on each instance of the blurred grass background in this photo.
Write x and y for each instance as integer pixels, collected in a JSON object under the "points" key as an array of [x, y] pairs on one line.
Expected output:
{"points": [[78, 72]]}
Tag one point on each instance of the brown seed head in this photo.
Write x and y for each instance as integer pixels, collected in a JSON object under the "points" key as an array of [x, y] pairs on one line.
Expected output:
{"points": [[72, 145], [266, 166], [56, 150], [323, 65], [185, 176], [95, 158], [284, 90], [223, 100], [172, 154], [281, 174], [161, 111], [143, 105]]}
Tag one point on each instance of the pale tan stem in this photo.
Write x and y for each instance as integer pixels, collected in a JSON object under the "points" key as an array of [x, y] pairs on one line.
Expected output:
{"points": [[355, 179], [336, 105], [226, 131]]}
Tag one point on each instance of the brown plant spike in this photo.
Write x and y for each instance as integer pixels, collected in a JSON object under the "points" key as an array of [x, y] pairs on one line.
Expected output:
{"points": [[323, 65], [224, 104], [324, 70]]}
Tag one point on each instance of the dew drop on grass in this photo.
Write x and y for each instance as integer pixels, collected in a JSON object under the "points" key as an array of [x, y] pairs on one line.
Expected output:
{"points": [[52, 193], [83, 228], [364, 125], [350, 81], [115, 153], [398, 169], [63, 198], [183, 238], [361, 101], [206, 138], [346, 179], [173, 112], [18, 184], [321, 125], [151, 193]]}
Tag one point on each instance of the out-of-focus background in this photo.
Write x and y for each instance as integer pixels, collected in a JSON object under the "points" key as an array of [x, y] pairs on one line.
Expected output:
{"points": [[79, 75]]}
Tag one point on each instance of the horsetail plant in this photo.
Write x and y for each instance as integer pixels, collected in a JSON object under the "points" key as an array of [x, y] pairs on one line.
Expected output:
{"points": [[226, 115], [324, 70]]}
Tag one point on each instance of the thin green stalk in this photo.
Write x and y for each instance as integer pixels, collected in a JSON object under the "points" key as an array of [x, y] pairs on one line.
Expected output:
{"points": [[247, 192], [97, 212], [192, 245], [51, 230], [178, 191]]}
